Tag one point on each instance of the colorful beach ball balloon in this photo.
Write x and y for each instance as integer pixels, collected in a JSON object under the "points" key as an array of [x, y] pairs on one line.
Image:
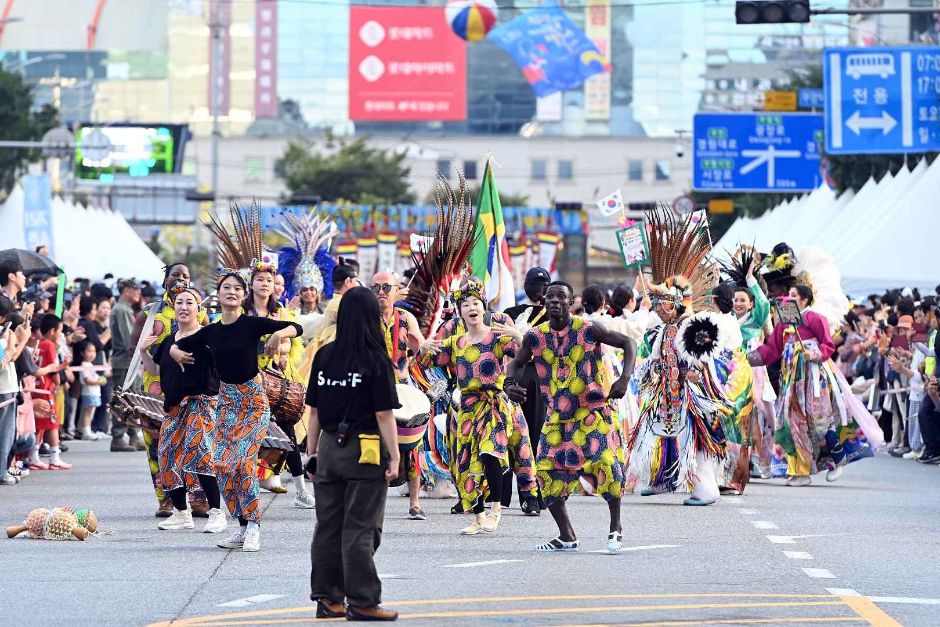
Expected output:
{"points": [[471, 19]]}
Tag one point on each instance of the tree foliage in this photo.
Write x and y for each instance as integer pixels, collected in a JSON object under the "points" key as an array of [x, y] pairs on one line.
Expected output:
{"points": [[351, 171], [18, 122]]}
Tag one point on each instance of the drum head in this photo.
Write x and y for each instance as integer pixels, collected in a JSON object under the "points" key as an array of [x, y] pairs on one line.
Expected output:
{"points": [[413, 403]]}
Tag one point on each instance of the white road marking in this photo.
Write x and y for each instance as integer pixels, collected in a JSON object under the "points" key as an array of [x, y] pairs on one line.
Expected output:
{"points": [[798, 555], [472, 564], [905, 600], [789, 539], [391, 576], [843, 592], [819, 573], [748, 512], [627, 549], [734, 500], [247, 601], [764, 524]]}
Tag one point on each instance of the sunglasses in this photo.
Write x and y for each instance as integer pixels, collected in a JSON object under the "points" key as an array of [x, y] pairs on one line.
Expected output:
{"points": [[382, 287]]}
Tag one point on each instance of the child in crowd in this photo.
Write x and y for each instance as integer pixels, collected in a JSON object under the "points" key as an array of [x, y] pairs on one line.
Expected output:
{"points": [[47, 378], [92, 381]]}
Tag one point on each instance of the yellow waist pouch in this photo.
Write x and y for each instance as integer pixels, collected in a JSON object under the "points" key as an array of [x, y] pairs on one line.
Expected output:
{"points": [[369, 449]]}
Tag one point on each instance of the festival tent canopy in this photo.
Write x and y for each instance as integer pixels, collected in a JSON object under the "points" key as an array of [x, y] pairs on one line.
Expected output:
{"points": [[87, 242], [879, 237], [898, 250]]}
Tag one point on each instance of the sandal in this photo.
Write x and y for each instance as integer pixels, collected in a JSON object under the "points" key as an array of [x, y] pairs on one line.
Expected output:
{"points": [[558, 546], [614, 542]]}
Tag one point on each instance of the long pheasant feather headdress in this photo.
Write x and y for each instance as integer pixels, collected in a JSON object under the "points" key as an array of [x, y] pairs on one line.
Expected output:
{"points": [[679, 258], [444, 253], [238, 252]]}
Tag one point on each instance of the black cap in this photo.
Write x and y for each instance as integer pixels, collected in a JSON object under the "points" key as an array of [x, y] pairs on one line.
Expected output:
{"points": [[534, 275]]}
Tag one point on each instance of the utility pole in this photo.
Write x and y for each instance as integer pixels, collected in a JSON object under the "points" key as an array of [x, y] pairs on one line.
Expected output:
{"points": [[216, 27]]}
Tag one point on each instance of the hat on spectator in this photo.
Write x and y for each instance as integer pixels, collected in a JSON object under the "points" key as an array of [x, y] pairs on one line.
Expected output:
{"points": [[534, 275], [906, 322]]}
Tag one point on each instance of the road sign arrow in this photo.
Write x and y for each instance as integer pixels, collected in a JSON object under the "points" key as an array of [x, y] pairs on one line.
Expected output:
{"points": [[857, 123]]}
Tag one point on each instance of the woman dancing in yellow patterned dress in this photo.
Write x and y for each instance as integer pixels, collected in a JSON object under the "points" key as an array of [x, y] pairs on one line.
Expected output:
{"points": [[485, 418]]}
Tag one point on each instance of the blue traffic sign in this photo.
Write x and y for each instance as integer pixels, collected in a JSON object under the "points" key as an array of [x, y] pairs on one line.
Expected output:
{"points": [[757, 152], [811, 98], [882, 100]]}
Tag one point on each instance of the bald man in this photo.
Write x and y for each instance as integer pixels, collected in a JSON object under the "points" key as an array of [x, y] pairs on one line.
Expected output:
{"points": [[402, 334]]}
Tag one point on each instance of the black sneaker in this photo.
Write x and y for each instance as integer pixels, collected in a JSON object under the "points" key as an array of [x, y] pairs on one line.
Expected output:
{"points": [[929, 459], [457, 509], [530, 506], [901, 451], [44, 449], [416, 513]]}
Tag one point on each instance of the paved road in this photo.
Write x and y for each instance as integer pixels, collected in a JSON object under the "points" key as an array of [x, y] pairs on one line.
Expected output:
{"points": [[863, 550]]}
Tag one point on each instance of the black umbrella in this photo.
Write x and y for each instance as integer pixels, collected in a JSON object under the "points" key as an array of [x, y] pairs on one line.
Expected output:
{"points": [[33, 263]]}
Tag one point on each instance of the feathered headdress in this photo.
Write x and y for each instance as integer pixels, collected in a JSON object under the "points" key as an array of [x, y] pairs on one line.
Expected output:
{"points": [[682, 271], [779, 264], [307, 261], [736, 270], [441, 255], [817, 270], [238, 253], [181, 286]]}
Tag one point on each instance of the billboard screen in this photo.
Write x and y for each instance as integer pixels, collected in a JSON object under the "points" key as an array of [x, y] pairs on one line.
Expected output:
{"points": [[405, 64], [103, 151]]}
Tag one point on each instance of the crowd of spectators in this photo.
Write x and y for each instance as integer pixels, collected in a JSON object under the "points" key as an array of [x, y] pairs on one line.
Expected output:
{"points": [[57, 372]]}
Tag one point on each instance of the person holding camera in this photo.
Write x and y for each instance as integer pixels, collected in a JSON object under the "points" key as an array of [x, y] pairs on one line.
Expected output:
{"points": [[354, 441]]}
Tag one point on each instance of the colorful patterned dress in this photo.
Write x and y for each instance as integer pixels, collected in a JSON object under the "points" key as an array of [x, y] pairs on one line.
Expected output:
{"points": [[679, 417], [486, 416], [820, 423], [580, 442], [522, 458], [164, 323]]}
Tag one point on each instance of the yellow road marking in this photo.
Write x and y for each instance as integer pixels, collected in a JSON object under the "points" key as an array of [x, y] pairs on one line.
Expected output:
{"points": [[547, 610], [869, 611], [740, 621], [309, 609]]}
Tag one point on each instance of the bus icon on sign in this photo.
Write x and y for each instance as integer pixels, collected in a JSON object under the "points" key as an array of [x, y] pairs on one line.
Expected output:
{"points": [[869, 64]]}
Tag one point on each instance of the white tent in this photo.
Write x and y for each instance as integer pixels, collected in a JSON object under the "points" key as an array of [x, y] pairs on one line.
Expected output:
{"points": [[901, 239], [88, 242]]}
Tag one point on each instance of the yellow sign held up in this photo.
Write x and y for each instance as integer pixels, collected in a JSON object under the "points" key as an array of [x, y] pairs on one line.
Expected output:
{"points": [[721, 206], [780, 101]]}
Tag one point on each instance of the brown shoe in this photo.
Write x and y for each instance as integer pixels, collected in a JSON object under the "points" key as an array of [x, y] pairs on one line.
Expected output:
{"points": [[200, 508], [330, 609], [118, 445], [166, 509], [370, 613]]}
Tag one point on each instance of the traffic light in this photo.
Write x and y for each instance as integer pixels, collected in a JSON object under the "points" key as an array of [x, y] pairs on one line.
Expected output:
{"points": [[772, 12]]}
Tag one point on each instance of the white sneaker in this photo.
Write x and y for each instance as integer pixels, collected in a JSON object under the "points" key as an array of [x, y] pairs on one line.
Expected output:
{"points": [[252, 540], [304, 500], [614, 542], [235, 541], [98, 435], [217, 522], [178, 520], [911, 455], [834, 474]]}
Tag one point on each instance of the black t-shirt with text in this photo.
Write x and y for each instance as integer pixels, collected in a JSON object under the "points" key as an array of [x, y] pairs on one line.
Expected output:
{"points": [[235, 345], [198, 378], [350, 395]]}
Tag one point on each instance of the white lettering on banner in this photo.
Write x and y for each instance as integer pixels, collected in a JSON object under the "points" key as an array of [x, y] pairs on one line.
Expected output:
{"points": [[429, 68], [410, 33]]}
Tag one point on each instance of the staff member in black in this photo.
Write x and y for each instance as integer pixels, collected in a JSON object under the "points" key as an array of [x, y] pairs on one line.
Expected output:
{"points": [[353, 436]]}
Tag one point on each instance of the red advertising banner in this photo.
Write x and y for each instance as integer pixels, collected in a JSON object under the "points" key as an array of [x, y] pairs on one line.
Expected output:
{"points": [[265, 58], [405, 63], [220, 87]]}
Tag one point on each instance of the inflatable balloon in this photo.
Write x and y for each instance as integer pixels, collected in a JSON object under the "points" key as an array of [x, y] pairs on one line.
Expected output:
{"points": [[471, 19]]}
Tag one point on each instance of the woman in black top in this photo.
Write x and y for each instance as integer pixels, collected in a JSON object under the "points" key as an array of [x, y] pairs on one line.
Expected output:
{"points": [[243, 413], [185, 447], [351, 397]]}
